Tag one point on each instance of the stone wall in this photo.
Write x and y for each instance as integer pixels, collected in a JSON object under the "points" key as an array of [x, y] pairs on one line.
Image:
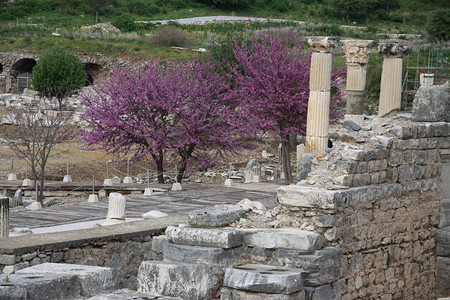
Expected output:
{"points": [[379, 201], [120, 247]]}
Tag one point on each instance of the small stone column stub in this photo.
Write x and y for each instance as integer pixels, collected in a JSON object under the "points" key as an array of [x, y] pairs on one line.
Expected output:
{"points": [[357, 56], [391, 79], [318, 118], [4, 217]]}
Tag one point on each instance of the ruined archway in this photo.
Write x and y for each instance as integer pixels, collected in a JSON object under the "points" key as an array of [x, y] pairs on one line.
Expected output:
{"points": [[22, 71], [92, 70]]}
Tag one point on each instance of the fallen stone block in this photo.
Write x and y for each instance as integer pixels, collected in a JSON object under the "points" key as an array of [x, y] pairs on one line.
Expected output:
{"points": [[92, 280], [264, 278], [443, 276], [232, 294], [322, 267], [431, 104], [215, 216], [443, 241], [126, 294], [187, 281], [303, 196], [158, 243], [328, 292], [46, 286], [221, 238], [204, 255], [9, 291], [287, 238]]}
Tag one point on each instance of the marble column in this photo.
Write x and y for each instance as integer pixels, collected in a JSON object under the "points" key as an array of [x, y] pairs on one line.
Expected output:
{"points": [[356, 56], [116, 209], [4, 217], [391, 79], [318, 117]]}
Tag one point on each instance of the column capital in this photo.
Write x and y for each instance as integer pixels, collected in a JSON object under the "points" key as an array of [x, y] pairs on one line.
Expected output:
{"points": [[322, 44], [392, 50], [357, 51]]}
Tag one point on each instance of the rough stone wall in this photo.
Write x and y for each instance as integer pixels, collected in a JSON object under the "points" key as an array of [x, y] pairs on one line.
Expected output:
{"points": [[378, 200]]}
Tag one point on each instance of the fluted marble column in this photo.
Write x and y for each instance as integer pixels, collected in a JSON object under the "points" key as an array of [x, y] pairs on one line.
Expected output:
{"points": [[4, 217], [116, 209], [391, 79], [318, 118], [357, 56]]}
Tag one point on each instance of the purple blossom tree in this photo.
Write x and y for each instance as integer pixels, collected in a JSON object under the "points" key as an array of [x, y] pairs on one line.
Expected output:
{"points": [[272, 80], [181, 108]]}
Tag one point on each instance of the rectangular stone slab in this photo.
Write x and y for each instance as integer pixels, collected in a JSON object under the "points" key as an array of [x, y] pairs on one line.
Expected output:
{"points": [[264, 278], [221, 238], [286, 238], [215, 216], [232, 294], [93, 280], [126, 294], [303, 196]]}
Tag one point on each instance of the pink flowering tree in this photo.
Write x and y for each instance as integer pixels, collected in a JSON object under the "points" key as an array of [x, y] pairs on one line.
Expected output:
{"points": [[272, 80], [182, 109]]}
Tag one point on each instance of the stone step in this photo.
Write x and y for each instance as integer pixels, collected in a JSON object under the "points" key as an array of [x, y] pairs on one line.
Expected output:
{"points": [[232, 294], [215, 216], [220, 238], [126, 294], [264, 279], [283, 238], [92, 280], [187, 281], [215, 257]]}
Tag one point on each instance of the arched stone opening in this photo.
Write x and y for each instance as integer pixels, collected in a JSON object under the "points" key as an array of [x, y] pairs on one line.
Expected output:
{"points": [[1, 68], [92, 70], [22, 71]]}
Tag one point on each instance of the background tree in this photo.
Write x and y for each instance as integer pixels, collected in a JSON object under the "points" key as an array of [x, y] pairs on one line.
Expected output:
{"points": [[181, 109], [96, 5], [438, 24], [272, 79], [58, 73], [33, 137]]}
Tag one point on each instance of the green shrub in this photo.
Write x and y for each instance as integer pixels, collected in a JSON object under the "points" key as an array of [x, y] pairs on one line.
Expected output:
{"points": [[171, 36], [438, 25], [125, 23]]}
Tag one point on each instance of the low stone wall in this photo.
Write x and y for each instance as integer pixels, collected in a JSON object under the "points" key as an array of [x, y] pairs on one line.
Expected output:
{"points": [[121, 247], [380, 204]]}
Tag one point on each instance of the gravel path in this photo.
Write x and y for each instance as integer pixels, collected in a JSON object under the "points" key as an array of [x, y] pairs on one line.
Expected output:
{"points": [[211, 19]]}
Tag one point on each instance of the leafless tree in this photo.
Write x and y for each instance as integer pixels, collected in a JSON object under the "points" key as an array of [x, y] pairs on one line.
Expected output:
{"points": [[33, 136]]}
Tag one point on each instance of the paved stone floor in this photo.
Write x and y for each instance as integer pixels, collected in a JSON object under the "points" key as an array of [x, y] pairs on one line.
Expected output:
{"points": [[193, 196]]}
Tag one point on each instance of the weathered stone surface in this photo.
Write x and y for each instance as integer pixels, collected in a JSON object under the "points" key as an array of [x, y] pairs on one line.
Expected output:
{"points": [[432, 104], [158, 243], [222, 238], [92, 280], [324, 292], [443, 276], [351, 125], [203, 255], [322, 267], [232, 294], [126, 294], [47, 286], [287, 238], [304, 167], [264, 278], [304, 196], [12, 292], [7, 259], [154, 214], [187, 281], [215, 216], [443, 242]]}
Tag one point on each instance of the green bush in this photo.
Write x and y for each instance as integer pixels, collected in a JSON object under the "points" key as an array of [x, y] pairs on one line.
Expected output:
{"points": [[171, 36], [438, 25], [125, 23]]}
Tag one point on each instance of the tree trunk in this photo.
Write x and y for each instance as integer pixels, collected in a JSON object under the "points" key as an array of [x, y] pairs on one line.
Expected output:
{"points": [[96, 16], [286, 161], [59, 104], [40, 198], [181, 171], [160, 170]]}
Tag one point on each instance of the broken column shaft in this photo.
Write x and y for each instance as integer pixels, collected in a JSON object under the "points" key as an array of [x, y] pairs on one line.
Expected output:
{"points": [[357, 56], [4, 217], [391, 79], [318, 118]]}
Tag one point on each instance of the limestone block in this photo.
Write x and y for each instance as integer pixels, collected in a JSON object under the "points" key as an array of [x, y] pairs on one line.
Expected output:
{"points": [[93, 198], [158, 243], [92, 280], [228, 182], [358, 119], [443, 242], [128, 180], [322, 267], [148, 192], [154, 214], [116, 180], [176, 186], [305, 165], [431, 104], [187, 281], [12, 177], [443, 276], [12, 292], [6, 259], [27, 182], [287, 238], [215, 216], [47, 286], [232, 294], [108, 182], [126, 294], [221, 238], [328, 292], [264, 278], [304, 196]]}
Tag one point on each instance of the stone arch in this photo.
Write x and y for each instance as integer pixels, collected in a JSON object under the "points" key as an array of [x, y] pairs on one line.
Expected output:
{"points": [[1, 68], [92, 70], [21, 71]]}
